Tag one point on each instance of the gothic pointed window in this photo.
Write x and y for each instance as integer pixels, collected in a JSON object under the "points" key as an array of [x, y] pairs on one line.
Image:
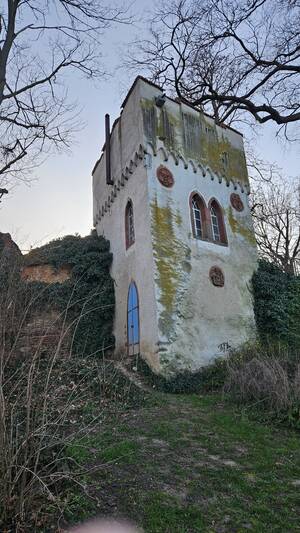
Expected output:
{"points": [[198, 216], [217, 223], [129, 224]]}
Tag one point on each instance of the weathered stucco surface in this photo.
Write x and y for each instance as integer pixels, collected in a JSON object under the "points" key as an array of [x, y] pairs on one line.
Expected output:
{"points": [[135, 263], [193, 135], [197, 320], [185, 321]]}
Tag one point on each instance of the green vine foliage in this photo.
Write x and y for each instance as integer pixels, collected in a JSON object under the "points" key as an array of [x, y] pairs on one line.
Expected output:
{"points": [[294, 313], [86, 300], [208, 379], [277, 305]]}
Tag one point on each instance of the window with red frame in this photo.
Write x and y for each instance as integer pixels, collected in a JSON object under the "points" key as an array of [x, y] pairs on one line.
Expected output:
{"points": [[129, 224], [217, 223], [198, 216]]}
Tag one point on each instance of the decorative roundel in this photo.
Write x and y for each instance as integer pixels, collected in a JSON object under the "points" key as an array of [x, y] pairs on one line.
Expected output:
{"points": [[165, 176], [216, 276], [236, 202]]}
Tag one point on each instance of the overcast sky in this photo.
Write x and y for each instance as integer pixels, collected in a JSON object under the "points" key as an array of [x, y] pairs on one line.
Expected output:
{"points": [[59, 201]]}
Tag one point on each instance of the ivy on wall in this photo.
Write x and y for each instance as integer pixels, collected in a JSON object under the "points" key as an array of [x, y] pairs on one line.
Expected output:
{"points": [[86, 300], [277, 305]]}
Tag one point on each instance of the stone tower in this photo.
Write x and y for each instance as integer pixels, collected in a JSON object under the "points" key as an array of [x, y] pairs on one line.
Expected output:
{"points": [[170, 192]]}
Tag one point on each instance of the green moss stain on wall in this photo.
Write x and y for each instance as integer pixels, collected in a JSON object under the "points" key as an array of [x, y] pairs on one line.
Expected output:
{"points": [[168, 125], [149, 120], [206, 147], [211, 150], [194, 137], [172, 258], [192, 128], [160, 124], [237, 227], [178, 218]]}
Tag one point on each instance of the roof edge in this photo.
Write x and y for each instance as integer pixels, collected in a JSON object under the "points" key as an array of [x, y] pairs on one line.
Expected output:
{"points": [[177, 100]]}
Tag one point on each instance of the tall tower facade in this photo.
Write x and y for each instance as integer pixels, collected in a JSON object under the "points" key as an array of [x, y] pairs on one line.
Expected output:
{"points": [[170, 192]]}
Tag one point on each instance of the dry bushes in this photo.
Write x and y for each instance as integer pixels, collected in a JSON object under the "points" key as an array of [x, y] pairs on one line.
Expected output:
{"points": [[42, 394], [48, 399], [266, 378]]}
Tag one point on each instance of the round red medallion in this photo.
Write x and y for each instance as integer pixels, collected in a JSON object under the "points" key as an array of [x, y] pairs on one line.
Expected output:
{"points": [[216, 276], [165, 176], [236, 202]]}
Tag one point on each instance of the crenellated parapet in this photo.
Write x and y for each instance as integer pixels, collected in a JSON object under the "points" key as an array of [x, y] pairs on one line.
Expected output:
{"points": [[162, 154]]}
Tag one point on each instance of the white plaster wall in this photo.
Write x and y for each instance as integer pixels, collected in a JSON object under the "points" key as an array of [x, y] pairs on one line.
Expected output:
{"points": [[135, 263], [126, 140], [204, 316]]}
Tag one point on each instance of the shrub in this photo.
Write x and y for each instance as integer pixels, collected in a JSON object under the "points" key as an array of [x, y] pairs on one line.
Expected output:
{"points": [[267, 379], [277, 305], [207, 379], [48, 401], [87, 298]]}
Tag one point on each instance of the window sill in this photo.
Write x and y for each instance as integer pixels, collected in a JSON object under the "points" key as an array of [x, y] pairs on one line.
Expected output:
{"points": [[219, 243], [224, 244], [130, 246]]}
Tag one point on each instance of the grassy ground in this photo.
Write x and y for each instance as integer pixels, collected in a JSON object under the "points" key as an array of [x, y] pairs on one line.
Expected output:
{"points": [[190, 464]]}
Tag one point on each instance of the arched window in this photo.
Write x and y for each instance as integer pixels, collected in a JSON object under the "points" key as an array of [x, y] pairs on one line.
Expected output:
{"points": [[198, 216], [129, 224], [217, 223]]}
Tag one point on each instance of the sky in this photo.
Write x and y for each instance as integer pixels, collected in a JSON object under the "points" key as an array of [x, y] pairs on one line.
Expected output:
{"points": [[58, 200]]}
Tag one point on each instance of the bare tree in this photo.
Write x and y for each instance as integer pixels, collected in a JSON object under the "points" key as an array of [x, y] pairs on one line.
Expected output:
{"points": [[231, 58], [276, 215], [39, 42], [260, 169]]}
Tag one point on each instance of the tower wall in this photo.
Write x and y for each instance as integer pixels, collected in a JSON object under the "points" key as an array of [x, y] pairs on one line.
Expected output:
{"points": [[109, 204], [187, 317], [134, 263], [197, 320]]}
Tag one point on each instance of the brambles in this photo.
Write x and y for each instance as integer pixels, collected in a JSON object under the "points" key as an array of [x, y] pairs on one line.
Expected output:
{"points": [[44, 387]]}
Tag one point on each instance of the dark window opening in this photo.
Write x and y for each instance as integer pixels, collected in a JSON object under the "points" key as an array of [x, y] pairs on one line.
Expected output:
{"points": [[129, 224]]}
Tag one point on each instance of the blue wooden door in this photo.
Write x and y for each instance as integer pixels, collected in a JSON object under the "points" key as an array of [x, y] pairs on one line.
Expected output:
{"points": [[133, 323]]}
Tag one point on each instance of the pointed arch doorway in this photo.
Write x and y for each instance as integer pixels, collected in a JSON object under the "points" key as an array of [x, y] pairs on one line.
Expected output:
{"points": [[133, 321]]}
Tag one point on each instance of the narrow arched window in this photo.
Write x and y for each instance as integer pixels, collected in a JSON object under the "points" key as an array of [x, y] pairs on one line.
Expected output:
{"points": [[217, 223], [129, 224], [198, 216]]}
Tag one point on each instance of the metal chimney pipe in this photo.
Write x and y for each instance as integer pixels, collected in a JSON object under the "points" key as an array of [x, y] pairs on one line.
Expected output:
{"points": [[107, 150]]}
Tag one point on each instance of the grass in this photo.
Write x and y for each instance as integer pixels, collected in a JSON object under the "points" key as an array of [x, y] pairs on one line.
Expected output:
{"points": [[186, 464], [162, 513], [124, 451]]}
